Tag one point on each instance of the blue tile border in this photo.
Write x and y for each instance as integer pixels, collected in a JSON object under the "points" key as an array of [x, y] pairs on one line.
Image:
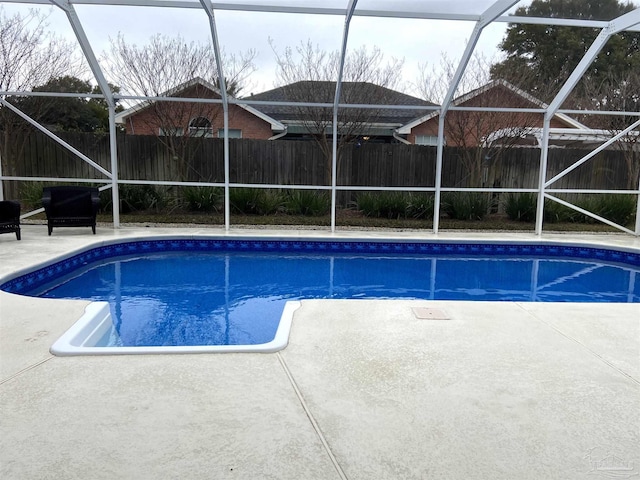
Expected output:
{"points": [[32, 280]]}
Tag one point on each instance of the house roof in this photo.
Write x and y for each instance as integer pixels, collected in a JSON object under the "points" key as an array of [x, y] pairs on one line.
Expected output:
{"points": [[122, 116], [573, 123], [361, 93]]}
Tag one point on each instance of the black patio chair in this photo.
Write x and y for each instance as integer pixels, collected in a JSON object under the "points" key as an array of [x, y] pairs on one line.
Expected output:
{"points": [[10, 217], [70, 206]]}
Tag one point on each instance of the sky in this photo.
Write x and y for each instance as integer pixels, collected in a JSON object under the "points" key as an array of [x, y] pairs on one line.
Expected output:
{"points": [[416, 41]]}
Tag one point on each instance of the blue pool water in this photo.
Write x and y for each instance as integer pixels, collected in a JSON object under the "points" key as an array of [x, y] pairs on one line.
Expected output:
{"points": [[233, 294]]}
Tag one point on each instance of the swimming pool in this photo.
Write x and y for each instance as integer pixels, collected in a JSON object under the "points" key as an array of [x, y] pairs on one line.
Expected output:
{"points": [[241, 286]]}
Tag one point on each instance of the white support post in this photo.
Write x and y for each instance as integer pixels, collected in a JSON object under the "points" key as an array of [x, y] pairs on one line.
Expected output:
{"points": [[542, 176], [76, 25], [638, 212], [334, 166], [113, 142], [488, 16], [617, 25], [439, 159], [208, 7], [1, 181], [336, 100]]}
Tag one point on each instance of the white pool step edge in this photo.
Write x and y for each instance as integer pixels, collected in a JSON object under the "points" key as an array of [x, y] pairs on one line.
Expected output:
{"points": [[83, 335]]}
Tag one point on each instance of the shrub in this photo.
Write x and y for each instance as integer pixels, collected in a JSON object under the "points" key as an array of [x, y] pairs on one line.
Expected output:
{"points": [[420, 205], [466, 205], [141, 197], [31, 194], [555, 212], [521, 206], [106, 201], [255, 201], [308, 203], [591, 205], [244, 200], [393, 204], [618, 208], [367, 203], [269, 202], [202, 199], [383, 204]]}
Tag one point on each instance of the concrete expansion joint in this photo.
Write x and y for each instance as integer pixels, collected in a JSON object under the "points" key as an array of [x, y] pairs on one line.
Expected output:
{"points": [[314, 424], [24, 370], [592, 352]]}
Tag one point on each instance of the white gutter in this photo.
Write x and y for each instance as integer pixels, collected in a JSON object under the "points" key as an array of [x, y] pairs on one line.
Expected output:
{"points": [[279, 135], [400, 139], [569, 134]]}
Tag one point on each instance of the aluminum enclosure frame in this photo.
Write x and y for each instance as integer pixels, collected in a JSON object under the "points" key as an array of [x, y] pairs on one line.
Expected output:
{"points": [[496, 12]]}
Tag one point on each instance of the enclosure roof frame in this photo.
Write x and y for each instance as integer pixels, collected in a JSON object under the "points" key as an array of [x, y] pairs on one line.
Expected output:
{"points": [[301, 8], [496, 11]]}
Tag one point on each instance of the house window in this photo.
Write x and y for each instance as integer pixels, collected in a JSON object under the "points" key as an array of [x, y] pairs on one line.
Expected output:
{"points": [[430, 140], [170, 131], [233, 133], [200, 127]]}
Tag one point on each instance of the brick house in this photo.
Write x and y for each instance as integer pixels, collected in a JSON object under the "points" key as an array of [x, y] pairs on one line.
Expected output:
{"points": [[388, 125], [476, 128], [196, 118], [377, 125]]}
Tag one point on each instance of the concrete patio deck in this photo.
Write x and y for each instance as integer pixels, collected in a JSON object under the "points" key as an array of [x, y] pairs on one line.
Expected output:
{"points": [[364, 390]]}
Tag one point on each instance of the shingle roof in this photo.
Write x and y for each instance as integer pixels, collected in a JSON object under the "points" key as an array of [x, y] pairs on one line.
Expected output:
{"points": [[352, 92]]}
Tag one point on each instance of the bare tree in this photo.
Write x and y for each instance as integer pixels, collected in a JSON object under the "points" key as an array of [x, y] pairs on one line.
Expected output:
{"points": [[308, 74], [30, 56], [471, 130], [165, 62], [433, 81], [168, 66], [618, 93]]}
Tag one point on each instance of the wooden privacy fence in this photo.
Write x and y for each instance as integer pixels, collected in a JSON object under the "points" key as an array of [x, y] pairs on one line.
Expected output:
{"points": [[302, 163]]}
